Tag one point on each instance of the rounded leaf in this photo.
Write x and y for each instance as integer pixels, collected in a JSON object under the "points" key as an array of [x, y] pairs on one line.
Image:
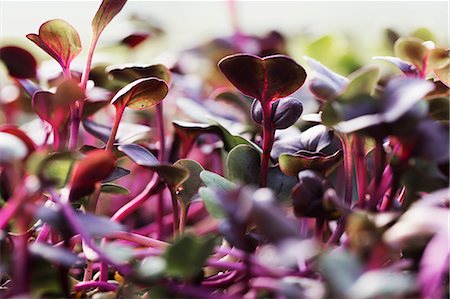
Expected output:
{"points": [[285, 112], [411, 49], [141, 94], [130, 72], [19, 62], [189, 187], [244, 164], [267, 78], [59, 39]]}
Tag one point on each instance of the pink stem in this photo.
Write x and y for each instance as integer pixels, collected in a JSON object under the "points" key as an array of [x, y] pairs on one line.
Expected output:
{"points": [[133, 204], [161, 158], [105, 286], [115, 128]]}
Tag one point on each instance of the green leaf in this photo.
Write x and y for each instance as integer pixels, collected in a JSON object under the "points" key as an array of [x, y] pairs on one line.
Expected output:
{"points": [[54, 169], [114, 189], [211, 202], [411, 49], [292, 164], [243, 164], [188, 189], [215, 181], [118, 252], [438, 58], [187, 255], [439, 108], [363, 81], [230, 141], [141, 94], [59, 39], [105, 13]]}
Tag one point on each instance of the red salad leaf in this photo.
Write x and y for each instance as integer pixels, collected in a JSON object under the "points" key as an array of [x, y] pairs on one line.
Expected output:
{"points": [[267, 78], [95, 167], [19, 62], [105, 13], [59, 39]]}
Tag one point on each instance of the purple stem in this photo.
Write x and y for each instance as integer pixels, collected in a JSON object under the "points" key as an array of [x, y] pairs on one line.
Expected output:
{"points": [[105, 286], [69, 213], [360, 167], [44, 233], [21, 258], [268, 138]]}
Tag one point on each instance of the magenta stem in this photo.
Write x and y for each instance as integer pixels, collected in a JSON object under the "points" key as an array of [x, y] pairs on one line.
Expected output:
{"points": [[268, 138], [161, 158], [21, 258], [115, 128], [44, 233], [348, 167], [105, 286], [133, 204], [87, 67]]}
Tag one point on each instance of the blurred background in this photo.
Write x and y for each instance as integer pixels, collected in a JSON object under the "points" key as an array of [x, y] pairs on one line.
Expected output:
{"points": [[350, 24]]}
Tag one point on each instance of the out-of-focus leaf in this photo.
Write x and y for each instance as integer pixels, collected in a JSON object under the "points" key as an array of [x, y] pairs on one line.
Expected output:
{"points": [[54, 108], [118, 252], [411, 49], [439, 108], [325, 84], [152, 267], [280, 183], [59, 39], [105, 13], [19, 62], [292, 164], [55, 168], [117, 173], [114, 189], [309, 197], [434, 266], [98, 226], [265, 78], [186, 256], [438, 58], [56, 255], [243, 165], [346, 265], [444, 75], [382, 283], [95, 167], [363, 81], [404, 66], [141, 94]]}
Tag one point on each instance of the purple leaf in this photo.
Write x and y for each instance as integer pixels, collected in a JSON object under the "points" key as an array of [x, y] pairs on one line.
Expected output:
{"points": [[19, 62], [130, 72], [265, 79], [404, 66], [325, 84], [139, 154], [117, 173], [59, 39], [58, 255], [434, 266], [401, 94], [285, 112]]}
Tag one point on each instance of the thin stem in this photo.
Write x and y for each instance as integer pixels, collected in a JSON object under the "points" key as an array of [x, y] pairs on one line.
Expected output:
{"points": [[115, 128], [44, 233], [132, 205], [21, 258], [184, 210], [176, 217], [161, 158], [74, 126], [71, 217], [138, 239], [360, 167], [348, 167], [268, 138], [87, 67], [55, 139]]}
